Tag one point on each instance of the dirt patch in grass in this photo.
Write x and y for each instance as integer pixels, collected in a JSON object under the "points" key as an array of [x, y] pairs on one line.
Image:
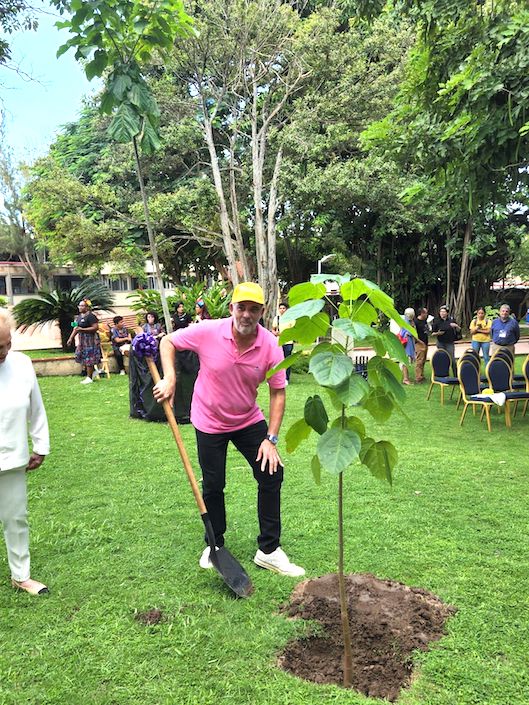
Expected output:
{"points": [[388, 621], [153, 616]]}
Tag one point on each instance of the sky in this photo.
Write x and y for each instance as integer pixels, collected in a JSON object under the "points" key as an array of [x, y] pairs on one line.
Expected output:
{"points": [[48, 95]]}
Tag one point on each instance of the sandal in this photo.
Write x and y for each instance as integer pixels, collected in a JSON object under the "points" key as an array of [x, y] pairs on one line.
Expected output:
{"points": [[31, 586]]}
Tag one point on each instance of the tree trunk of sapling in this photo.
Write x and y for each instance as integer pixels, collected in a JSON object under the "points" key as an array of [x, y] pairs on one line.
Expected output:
{"points": [[152, 243], [344, 609]]}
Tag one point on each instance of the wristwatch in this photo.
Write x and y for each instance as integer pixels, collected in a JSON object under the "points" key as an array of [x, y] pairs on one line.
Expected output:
{"points": [[273, 439]]}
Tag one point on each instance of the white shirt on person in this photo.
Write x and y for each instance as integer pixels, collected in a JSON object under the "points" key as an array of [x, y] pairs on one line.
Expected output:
{"points": [[21, 412]]}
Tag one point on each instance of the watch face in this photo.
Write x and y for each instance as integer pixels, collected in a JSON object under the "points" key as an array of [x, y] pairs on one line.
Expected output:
{"points": [[272, 439]]}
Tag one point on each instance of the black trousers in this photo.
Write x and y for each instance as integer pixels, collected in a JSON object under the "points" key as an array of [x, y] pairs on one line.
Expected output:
{"points": [[119, 357], [212, 450]]}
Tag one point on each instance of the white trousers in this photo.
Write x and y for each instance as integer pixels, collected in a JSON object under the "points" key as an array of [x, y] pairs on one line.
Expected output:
{"points": [[14, 519]]}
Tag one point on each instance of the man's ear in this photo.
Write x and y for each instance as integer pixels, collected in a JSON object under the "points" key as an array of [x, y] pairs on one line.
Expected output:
{"points": [[230, 307]]}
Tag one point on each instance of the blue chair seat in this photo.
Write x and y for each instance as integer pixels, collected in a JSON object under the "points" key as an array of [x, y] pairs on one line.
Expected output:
{"points": [[446, 380], [519, 385], [517, 395], [481, 398]]}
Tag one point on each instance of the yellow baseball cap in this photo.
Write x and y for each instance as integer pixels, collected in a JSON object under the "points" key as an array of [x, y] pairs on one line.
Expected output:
{"points": [[248, 291]]}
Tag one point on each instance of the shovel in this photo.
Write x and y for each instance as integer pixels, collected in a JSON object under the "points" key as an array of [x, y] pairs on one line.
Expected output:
{"points": [[228, 567]]}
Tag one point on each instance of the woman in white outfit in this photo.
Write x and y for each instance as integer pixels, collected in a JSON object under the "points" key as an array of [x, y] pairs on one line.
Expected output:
{"points": [[21, 410]]}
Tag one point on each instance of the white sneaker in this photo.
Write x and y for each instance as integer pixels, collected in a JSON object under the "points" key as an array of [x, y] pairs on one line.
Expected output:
{"points": [[87, 380], [204, 561], [278, 562], [122, 372]]}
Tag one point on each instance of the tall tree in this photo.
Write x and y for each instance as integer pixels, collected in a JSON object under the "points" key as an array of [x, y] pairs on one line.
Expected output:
{"points": [[242, 70], [123, 36], [460, 119], [16, 237]]}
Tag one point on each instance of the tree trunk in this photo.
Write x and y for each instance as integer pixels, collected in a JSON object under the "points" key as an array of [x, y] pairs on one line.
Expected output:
{"points": [[460, 309], [265, 245], [152, 243], [344, 608], [223, 208], [236, 224]]}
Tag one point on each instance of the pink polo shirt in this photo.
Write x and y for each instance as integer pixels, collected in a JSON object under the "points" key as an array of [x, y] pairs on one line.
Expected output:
{"points": [[225, 392]]}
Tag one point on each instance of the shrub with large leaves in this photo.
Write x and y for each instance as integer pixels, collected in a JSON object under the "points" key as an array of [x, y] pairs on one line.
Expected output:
{"points": [[217, 299], [61, 306], [343, 438]]}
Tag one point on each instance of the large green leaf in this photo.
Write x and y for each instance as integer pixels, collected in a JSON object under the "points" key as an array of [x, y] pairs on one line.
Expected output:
{"points": [[97, 65], [386, 374], [305, 308], [306, 330], [379, 404], [337, 449], [330, 369], [353, 423], [150, 140], [352, 290], [360, 311], [380, 457], [125, 124], [315, 467], [119, 84], [299, 431], [352, 390], [304, 292], [354, 329], [316, 414], [394, 347], [284, 364]]}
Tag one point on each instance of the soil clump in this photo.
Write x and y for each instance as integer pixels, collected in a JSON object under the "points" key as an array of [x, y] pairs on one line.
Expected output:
{"points": [[388, 621], [153, 616]]}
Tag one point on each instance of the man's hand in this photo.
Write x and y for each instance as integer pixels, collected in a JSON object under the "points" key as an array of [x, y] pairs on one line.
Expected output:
{"points": [[268, 454], [164, 390], [35, 461]]}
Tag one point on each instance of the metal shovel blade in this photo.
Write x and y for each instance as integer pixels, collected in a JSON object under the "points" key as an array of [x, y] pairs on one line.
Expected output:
{"points": [[228, 567], [231, 572]]}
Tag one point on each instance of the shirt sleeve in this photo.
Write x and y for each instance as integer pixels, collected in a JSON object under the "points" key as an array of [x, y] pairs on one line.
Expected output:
{"points": [[38, 422], [188, 338]]}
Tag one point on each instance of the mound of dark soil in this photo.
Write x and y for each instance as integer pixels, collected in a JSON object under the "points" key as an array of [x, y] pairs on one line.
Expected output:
{"points": [[388, 621], [153, 616]]}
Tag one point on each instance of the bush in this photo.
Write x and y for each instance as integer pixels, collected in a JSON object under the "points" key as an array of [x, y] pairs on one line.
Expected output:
{"points": [[301, 365], [217, 299]]}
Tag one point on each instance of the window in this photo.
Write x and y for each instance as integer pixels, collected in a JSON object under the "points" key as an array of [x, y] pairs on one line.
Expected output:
{"points": [[3, 290], [21, 285]]}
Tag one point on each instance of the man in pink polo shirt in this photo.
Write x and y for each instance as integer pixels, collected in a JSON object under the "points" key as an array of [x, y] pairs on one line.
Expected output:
{"points": [[235, 354]]}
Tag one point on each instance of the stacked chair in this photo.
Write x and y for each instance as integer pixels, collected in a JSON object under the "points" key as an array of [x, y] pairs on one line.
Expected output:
{"points": [[441, 362]]}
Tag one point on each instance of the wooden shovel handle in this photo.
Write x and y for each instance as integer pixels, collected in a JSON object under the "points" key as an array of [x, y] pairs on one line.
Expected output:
{"points": [[178, 438]]}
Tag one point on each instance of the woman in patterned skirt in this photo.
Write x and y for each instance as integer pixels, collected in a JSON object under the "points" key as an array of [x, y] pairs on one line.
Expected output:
{"points": [[88, 346]]}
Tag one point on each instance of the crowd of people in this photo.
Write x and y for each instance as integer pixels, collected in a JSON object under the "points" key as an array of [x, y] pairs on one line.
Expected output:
{"points": [[487, 336], [88, 335]]}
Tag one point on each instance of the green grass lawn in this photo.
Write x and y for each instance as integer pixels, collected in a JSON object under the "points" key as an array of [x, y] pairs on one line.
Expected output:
{"points": [[115, 531], [47, 352]]}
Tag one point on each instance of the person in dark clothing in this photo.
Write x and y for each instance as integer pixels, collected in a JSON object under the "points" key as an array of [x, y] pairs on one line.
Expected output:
{"points": [[421, 344], [181, 319], [119, 336], [446, 330]]}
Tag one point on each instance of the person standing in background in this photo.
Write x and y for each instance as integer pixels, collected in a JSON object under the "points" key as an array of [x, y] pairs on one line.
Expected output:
{"points": [[421, 344], [480, 331], [505, 330], [278, 327]]}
